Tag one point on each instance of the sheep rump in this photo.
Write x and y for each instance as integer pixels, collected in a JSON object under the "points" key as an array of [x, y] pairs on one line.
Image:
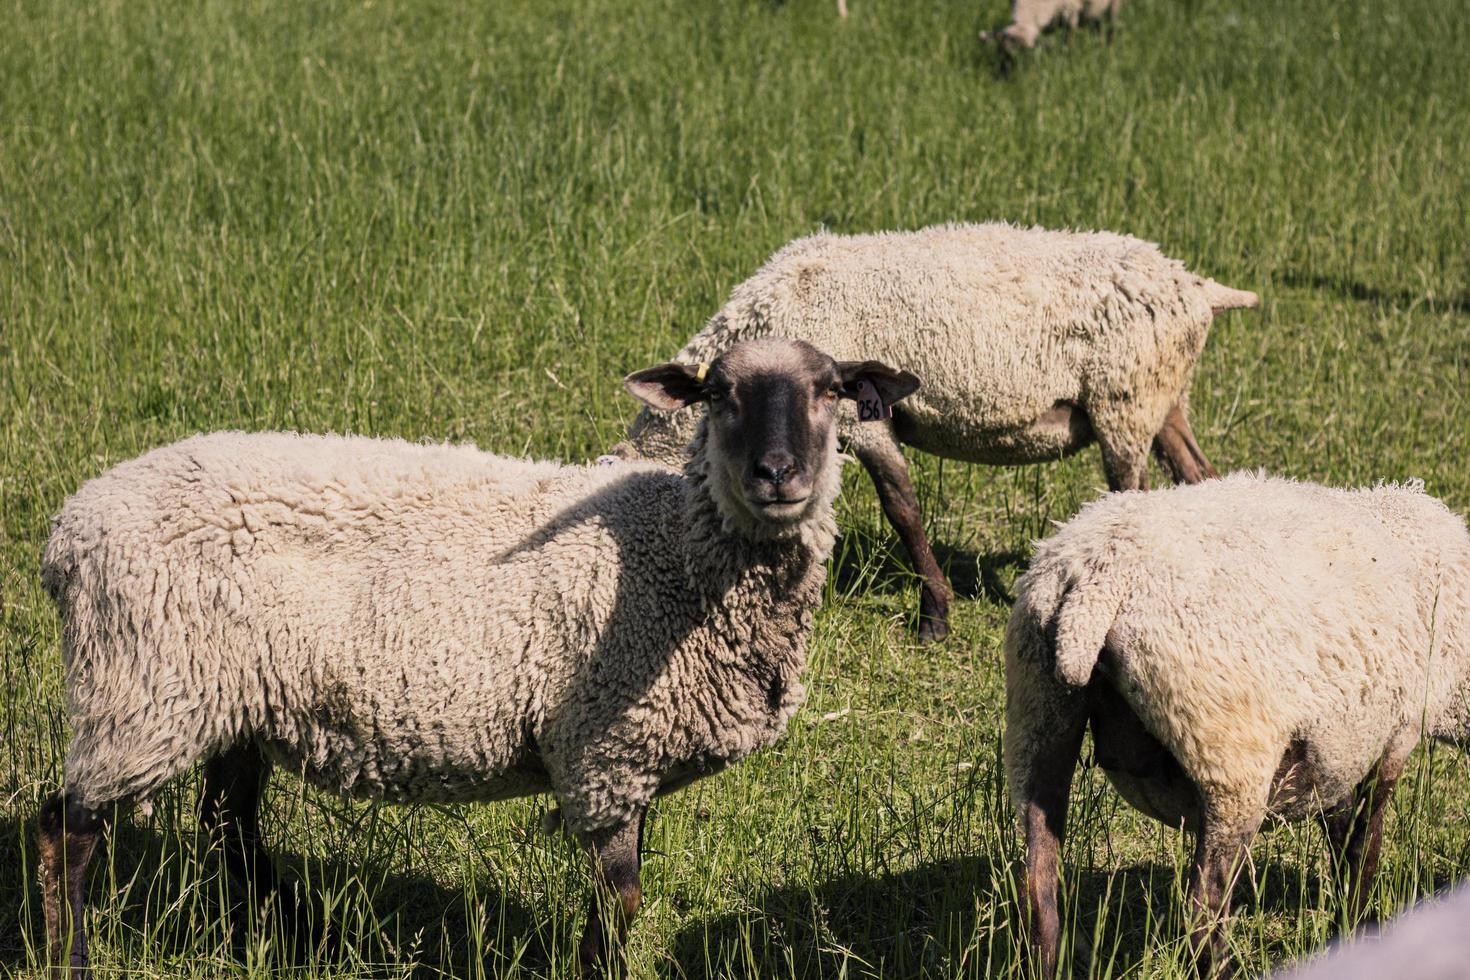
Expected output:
{"points": [[411, 621], [1241, 649], [1277, 638]]}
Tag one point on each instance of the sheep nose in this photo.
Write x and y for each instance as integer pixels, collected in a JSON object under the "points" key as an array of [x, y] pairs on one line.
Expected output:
{"points": [[776, 468]]}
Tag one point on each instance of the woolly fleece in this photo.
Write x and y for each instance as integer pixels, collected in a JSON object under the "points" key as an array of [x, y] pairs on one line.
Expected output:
{"points": [[425, 622], [1030, 17], [1245, 615], [1002, 323]]}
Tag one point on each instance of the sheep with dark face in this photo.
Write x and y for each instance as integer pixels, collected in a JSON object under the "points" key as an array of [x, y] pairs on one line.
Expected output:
{"points": [[435, 623], [1247, 649]]}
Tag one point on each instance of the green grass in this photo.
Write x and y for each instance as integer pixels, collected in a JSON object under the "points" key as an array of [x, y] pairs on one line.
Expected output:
{"points": [[467, 220]]}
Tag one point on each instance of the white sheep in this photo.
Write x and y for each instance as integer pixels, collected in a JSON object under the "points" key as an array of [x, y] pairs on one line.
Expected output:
{"points": [[1032, 344], [1029, 18], [1244, 648], [435, 623]]}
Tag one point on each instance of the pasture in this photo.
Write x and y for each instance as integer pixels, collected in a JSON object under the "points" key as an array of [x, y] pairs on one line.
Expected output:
{"points": [[451, 220]]}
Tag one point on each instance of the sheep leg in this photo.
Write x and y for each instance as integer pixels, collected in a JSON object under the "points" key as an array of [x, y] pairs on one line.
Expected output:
{"points": [[67, 836], [1178, 453], [1052, 747], [616, 854], [890, 474], [1219, 854], [1355, 832], [1125, 466], [229, 812]]}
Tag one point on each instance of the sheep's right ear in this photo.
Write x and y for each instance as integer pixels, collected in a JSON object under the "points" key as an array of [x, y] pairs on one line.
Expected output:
{"points": [[666, 387]]}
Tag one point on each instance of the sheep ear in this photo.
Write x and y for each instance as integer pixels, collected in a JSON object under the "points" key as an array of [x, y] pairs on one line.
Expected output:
{"points": [[891, 385], [666, 387]]}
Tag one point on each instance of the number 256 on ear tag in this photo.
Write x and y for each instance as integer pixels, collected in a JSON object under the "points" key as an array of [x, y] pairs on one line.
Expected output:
{"points": [[870, 405]]}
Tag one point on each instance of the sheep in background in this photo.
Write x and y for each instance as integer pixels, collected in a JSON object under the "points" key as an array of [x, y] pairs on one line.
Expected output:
{"points": [[1244, 648], [1029, 18], [1032, 344], [434, 623]]}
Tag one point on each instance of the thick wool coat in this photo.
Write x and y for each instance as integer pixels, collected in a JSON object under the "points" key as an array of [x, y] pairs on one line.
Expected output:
{"points": [[425, 622], [1003, 324], [1029, 18], [1245, 617]]}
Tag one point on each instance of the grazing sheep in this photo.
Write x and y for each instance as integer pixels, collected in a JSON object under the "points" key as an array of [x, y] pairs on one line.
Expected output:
{"points": [[1244, 648], [412, 622], [1032, 344], [1029, 18]]}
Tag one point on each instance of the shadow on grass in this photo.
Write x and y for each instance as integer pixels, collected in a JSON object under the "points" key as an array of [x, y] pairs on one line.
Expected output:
{"points": [[900, 925], [1362, 292], [928, 922], [15, 877], [163, 898], [863, 562]]}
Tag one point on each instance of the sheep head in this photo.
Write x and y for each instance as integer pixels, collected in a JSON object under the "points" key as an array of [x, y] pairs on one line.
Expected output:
{"points": [[771, 424]]}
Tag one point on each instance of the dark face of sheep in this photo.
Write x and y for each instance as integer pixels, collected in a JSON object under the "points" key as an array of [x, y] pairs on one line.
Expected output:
{"points": [[772, 435]]}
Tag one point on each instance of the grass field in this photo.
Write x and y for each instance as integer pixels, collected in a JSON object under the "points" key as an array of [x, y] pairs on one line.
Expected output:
{"points": [[464, 220]]}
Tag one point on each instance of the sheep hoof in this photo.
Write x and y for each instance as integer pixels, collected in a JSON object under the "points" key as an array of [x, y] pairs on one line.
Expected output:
{"points": [[933, 614], [552, 822], [932, 629]]}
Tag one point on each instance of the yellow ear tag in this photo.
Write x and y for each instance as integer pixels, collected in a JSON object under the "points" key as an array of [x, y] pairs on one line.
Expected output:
{"points": [[703, 370]]}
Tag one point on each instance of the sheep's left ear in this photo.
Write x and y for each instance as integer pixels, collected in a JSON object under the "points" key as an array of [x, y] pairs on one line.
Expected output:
{"points": [[891, 385], [666, 387]]}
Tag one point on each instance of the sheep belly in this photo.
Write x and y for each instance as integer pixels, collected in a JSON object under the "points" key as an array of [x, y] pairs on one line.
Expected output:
{"points": [[1138, 765], [381, 746], [1054, 433], [1149, 777]]}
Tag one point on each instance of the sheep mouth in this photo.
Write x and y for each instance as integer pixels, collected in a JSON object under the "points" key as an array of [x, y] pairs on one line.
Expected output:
{"points": [[781, 507]]}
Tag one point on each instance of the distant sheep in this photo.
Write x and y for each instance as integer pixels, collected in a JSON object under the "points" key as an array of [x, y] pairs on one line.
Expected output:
{"points": [[1029, 18], [434, 623], [1244, 648], [1032, 344]]}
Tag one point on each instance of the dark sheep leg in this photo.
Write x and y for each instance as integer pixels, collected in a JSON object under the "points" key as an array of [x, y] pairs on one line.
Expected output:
{"points": [[229, 812], [67, 836], [1178, 453], [1355, 833], [1043, 802], [890, 474], [616, 855], [1218, 856]]}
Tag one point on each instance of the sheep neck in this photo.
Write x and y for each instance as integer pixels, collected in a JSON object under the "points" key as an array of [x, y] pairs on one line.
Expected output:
{"points": [[716, 518], [726, 546]]}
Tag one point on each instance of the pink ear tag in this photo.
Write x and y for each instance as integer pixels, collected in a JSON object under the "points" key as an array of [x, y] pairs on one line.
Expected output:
{"points": [[870, 405]]}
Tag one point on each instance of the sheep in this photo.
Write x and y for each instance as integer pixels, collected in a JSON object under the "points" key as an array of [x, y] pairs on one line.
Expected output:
{"points": [[1029, 18], [1246, 648], [1033, 344], [435, 623], [1429, 942]]}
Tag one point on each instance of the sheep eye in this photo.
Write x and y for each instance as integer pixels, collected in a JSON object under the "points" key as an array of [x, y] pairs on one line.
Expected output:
{"points": [[833, 392]]}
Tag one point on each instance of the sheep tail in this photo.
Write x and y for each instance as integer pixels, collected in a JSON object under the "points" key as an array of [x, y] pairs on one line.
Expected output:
{"points": [[1086, 615], [1224, 298]]}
